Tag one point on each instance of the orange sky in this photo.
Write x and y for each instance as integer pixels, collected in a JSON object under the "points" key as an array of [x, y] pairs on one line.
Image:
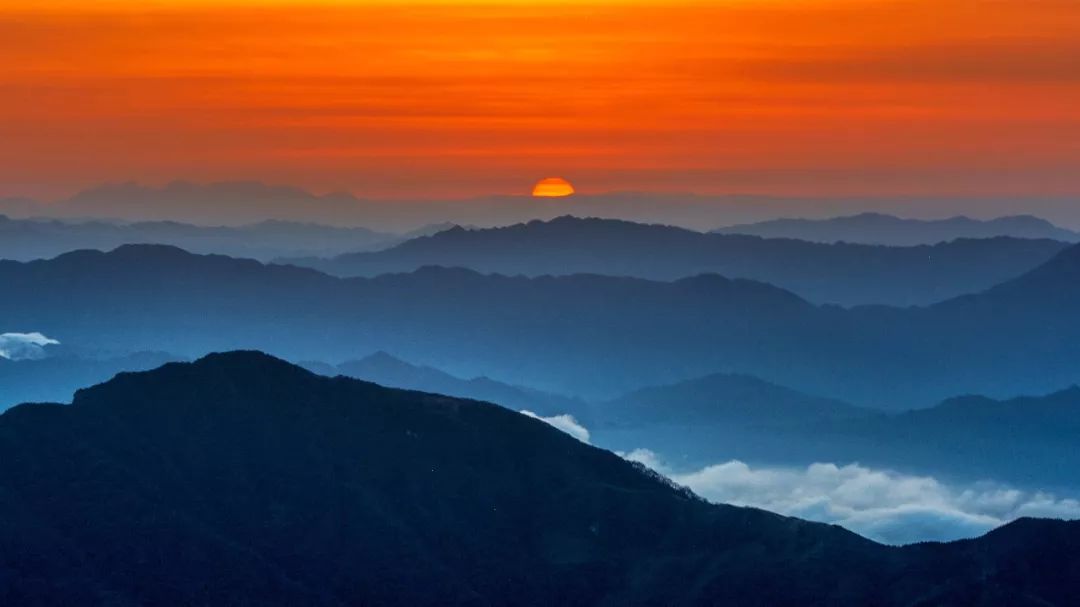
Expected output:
{"points": [[459, 98]]}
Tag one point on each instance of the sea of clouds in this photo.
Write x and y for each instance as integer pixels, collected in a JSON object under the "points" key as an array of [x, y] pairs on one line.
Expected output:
{"points": [[885, 506]]}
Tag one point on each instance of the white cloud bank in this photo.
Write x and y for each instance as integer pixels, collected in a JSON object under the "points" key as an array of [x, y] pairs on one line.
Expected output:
{"points": [[24, 346], [566, 423], [885, 506]]}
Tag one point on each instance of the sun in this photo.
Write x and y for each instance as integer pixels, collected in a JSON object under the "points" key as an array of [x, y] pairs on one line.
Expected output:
{"points": [[553, 187]]}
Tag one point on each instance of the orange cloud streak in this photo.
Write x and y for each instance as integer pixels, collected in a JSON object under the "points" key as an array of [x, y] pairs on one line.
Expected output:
{"points": [[461, 98]]}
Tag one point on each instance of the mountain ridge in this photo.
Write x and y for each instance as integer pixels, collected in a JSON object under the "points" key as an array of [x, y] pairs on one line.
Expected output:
{"points": [[557, 333], [881, 228], [28, 239], [385, 369], [325, 496], [846, 274]]}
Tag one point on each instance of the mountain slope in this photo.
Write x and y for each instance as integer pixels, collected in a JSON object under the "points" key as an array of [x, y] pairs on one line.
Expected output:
{"points": [[845, 274], [877, 228], [243, 478]]}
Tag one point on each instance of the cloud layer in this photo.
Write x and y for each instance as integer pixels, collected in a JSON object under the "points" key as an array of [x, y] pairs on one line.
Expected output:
{"points": [[885, 506], [566, 423], [24, 346]]}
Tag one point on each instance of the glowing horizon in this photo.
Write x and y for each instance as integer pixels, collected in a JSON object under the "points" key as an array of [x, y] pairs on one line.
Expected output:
{"points": [[461, 98]]}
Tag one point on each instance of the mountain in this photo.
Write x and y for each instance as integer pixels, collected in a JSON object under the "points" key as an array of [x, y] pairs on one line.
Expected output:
{"points": [[1027, 441], [845, 274], [545, 333], [1014, 439], [58, 377], [588, 336], [242, 479], [881, 229], [724, 399], [26, 239], [386, 370], [240, 202]]}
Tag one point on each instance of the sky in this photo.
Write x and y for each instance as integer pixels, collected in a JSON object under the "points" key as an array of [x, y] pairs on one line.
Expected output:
{"points": [[461, 98]]}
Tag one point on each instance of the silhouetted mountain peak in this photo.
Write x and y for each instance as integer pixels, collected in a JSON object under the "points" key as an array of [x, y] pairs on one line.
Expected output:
{"points": [[561, 227], [206, 381], [380, 362], [152, 258], [383, 357], [149, 250], [131, 251], [444, 273]]}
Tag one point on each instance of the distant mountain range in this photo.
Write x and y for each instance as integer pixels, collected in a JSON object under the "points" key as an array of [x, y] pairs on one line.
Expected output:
{"points": [[1028, 441], [584, 335], [240, 478], [387, 370], [723, 417], [878, 228], [27, 239], [844, 274], [724, 399], [222, 203], [245, 202], [718, 417]]}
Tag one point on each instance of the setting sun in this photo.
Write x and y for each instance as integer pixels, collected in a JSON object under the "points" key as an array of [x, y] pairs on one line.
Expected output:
{"points": [[553, 187]]}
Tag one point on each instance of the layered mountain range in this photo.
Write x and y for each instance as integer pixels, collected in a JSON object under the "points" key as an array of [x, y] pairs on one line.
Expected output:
{"points": [[847, 274], [241, 478], [27, 239], [879, 228], [564, 334]]}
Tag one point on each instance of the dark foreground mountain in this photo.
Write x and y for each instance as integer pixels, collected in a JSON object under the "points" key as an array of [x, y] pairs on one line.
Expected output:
{"points": [[242, 479], [26, 239], [846, 274], [387, 370], [877, 228], [585, 336]]}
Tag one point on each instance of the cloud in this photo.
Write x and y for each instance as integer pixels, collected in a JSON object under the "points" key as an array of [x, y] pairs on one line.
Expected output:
{"points": [[24, 346], [566, 423], [885, 506]]}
